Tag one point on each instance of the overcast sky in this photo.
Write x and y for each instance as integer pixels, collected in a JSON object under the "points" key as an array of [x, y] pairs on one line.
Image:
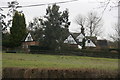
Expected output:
{"points": [[75, 8]]}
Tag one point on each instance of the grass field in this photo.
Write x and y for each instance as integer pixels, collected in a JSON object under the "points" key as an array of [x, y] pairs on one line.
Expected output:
{"points": [[57, 61]]}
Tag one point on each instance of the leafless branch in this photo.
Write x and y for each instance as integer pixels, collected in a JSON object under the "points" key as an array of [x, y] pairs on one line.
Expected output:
{"points": [[80, 20], [92, 23]]}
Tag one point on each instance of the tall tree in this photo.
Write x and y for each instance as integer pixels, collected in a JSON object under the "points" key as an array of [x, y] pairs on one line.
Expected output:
{"points": [[6, 36], [81, 20], [12, 8], [35, 24], [18, 29], [55, 27], [36, 29], [110, 4], [92, 23], [2, 21], [116, 35]]}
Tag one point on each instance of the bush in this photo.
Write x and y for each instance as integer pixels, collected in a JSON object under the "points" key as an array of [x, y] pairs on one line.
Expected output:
{"points": [[70, 50], [67, 47]]}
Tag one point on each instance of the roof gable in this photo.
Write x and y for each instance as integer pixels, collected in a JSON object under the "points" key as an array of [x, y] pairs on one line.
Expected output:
{"points": [[70, 40], [28, 38], [80, 37], [89, 43]]}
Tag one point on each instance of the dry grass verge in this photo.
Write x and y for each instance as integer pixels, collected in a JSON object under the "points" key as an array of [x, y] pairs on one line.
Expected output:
{"points": [[13, 72]]}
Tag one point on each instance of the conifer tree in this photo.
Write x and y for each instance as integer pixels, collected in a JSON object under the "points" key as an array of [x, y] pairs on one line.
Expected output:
{"points": [[18, 29], [55, 27]]}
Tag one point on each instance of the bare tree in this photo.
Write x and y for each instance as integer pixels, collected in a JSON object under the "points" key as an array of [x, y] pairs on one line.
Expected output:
{"points": [[116, 35], [92, 23], [81, 20], [117, 29], [108, 4]]}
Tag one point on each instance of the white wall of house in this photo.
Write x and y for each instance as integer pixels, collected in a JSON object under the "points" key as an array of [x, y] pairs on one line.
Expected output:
{"points": [[89, 43], [29, 37], [70, 40], [80, 37]]}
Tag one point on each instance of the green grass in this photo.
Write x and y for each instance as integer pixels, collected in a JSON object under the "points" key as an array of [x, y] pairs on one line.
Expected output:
{"points": [[57, 61]]}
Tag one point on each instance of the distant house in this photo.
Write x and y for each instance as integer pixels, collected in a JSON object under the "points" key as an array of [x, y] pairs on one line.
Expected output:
{"points": [[70, 40], [80, 37], [92, 38], [77, 39], [28, 41], [89, 43], [102, 44]]}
